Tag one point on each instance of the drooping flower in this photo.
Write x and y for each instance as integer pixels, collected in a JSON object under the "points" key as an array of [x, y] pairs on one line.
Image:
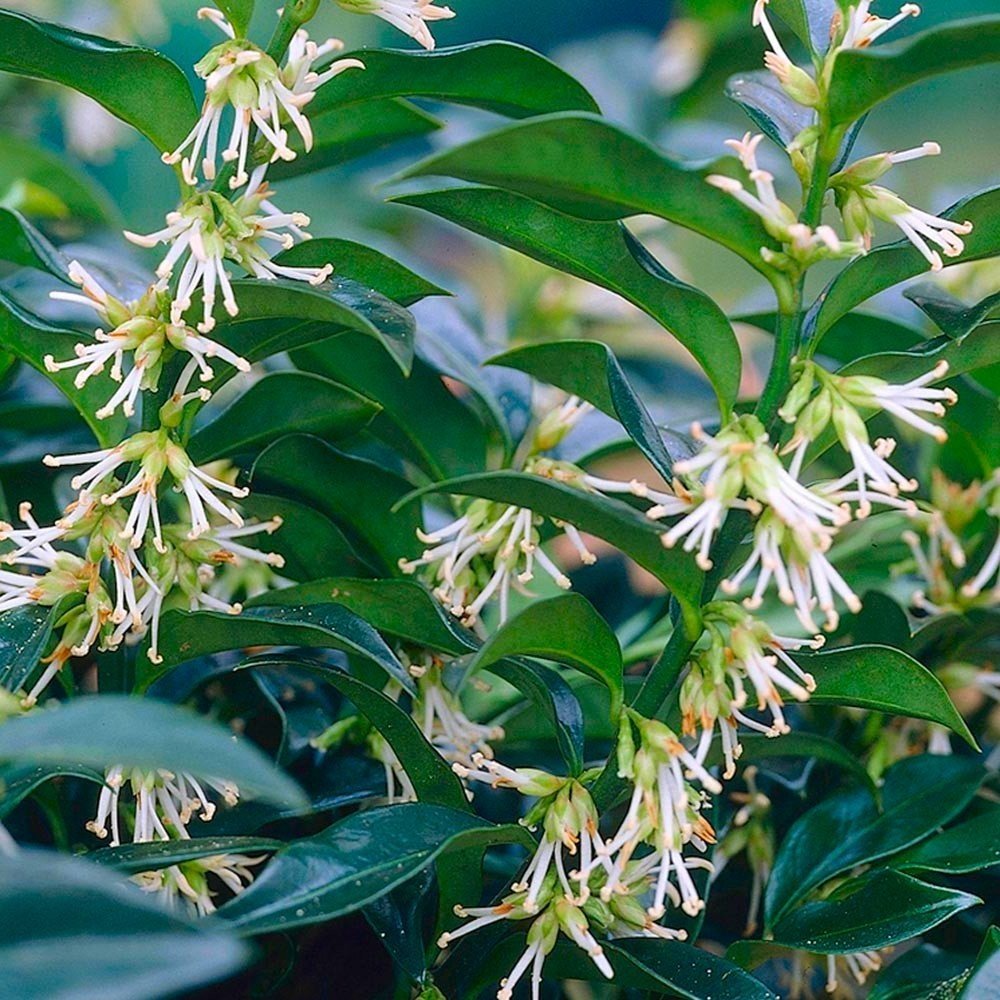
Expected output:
{"points": [[860, 27], [409, 16], [188, 886], [240, 75]]}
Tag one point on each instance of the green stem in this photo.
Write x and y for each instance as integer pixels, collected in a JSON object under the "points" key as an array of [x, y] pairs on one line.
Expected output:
{"points": [[786, 337], [293, 16]]}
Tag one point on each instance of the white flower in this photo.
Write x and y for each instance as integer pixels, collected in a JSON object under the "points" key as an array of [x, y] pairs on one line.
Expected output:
{"points": [[861, 27], [186, 885], [239, 74], [409, 16], [796, 82], [918, 226]]}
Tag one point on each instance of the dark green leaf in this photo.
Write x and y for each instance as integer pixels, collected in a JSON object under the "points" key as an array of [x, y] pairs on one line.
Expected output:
{"points": [[951, 315], [585, 166], [606, 254], [881, 620], [21, 243], [138, 732], [356, 494], [31, 338], [18, 781], [615, 522], [400, 608], [982, 983], [239, 13], [882, 679], [922, 973], [589, 369], [498, 76], [863, 78], [875, 911], [363, 265], [430, 774], [186, 635], [138, 85], [131, 858], [966, 847], [24, 633], [279, 404], [888, 265], [397, 919], [69, 929], [566, 629], [919, 795], [340, 135], [355, 861]]}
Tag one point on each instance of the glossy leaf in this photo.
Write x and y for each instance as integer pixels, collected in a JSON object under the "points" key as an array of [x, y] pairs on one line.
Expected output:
{"points": [[131, 858], [968, 846], [186, 635], [401, 608], [925, 971], [138, 85], [809, 19], [950, 314], [24, 634], [138, 732], [31, 338], [431, 775], [888, 265], [279, 404], [769, 107], [863, 78], [615, 522], [919, 795], [607, 255], [882, 679], [239, 13], [18, 781], [341, 135], [70, 929], [874, 911], [355, 861], [498, 76], [21, 243], [566, 629], [421, 417], [356, 494], [588, 369], [363, 265], [585, 166], [985, 974]]}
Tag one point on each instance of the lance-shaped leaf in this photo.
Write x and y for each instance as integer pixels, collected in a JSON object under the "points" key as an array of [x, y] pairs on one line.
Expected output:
{"points": [[502, 77], [950, 314], [138, 85], [888, 265], [566, 629], [615, 522], [341, 135], [968, 846], [21, 243], [606, 254], [364, 265], [32, 338], [430, 774], [356, 494], [18, 781], [919, 795], [131, 858], [24, 634], [760, 95], [875, 911], [589, 369], [401, 608], [139, 732], [112, 940], [982, 981], [585, 166], [863, 78], [186, 635], [882, 679], [355, 861], [279, 404]]}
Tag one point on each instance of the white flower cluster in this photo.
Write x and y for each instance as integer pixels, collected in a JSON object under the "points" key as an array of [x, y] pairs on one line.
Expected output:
{"points": [[161, 808]]}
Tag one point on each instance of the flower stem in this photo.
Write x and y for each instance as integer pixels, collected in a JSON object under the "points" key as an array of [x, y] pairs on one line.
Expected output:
{"points": [[293, 16]]}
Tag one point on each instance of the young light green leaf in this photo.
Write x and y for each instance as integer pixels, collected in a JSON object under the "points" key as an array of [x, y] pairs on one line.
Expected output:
{"points": [[589, 369], [615, 522], [585, 166], [112, 940], [138, 85], [882, 679], [919, 795], [606, 254], [279, 404], [501, 77], [865, 77], [131, 858], [356, 861], [139, 732], [968, 846], [186, 635], [566, 629], [875, 911]]}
